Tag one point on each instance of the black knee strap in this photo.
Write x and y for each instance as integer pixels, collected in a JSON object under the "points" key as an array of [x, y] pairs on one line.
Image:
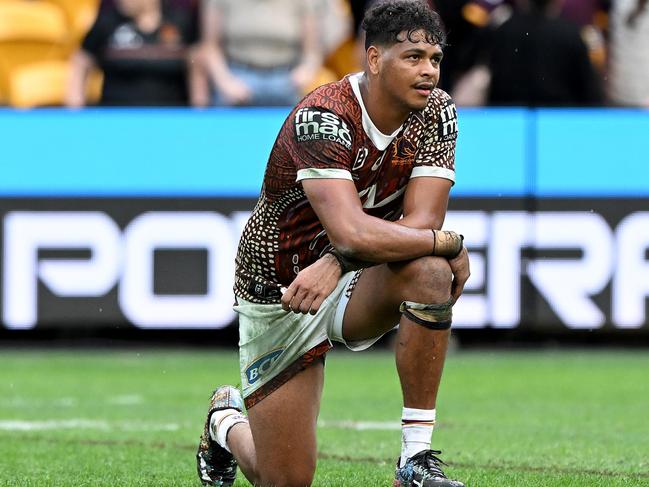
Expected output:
{"points": [[431, 316]]}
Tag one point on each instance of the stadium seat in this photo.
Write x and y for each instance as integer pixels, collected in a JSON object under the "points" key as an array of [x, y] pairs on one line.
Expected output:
{"points": [[44, 84], [80, 15], [29, 32], [323, 76]]}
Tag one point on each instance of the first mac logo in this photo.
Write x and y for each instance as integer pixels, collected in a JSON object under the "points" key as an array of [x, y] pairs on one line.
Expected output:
{"points": [[312, 124]]}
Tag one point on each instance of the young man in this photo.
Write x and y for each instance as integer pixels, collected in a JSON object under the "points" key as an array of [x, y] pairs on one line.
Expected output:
{"points": [[327, 257]]}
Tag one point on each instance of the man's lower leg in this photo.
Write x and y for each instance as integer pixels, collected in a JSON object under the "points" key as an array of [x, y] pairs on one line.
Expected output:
{"points": [[242, 446], [420, 356]]}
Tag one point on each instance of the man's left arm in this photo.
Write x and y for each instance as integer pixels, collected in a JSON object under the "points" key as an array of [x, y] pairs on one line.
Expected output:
{"points": [[424, 206], [425, 202]]}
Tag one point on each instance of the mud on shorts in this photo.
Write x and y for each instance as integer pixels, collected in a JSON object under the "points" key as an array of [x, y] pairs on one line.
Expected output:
{"points": [[275, 345]]}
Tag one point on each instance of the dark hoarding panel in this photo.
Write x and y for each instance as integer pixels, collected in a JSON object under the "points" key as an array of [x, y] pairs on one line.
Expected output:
{"points": [[554, 265], [537, 265], [153, 263]]}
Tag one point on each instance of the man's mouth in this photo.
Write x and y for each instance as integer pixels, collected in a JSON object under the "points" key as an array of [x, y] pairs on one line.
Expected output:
{"points": [[424, 89]]}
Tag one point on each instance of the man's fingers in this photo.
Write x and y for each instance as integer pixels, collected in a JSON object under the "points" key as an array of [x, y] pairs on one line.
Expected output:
{"points": [[461, 273], [456, 290], [462, 255], [306, 303], [296, 303], [317, 302], [287, 297]]}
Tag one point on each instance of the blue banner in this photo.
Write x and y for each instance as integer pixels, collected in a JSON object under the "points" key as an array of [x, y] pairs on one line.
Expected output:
{"points": [[223, 153]]}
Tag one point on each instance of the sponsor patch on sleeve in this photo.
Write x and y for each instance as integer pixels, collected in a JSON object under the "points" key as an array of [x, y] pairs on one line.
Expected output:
{"points": [[447, 129], [315, 124]]}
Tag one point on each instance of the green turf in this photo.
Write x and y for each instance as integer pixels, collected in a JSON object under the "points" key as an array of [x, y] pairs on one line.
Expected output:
{"points": [[99, 418]]}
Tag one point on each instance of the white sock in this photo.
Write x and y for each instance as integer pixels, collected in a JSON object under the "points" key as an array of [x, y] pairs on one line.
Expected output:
{"points": [[416, 431], [221, 422]]}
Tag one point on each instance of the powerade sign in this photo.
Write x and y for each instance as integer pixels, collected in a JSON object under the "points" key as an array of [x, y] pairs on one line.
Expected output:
{"points": [[155, 268], [120, 259], [555, 269]]}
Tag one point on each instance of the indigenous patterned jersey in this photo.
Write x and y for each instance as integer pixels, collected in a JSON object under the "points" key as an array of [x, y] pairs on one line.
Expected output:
{"points": [[330, 135]]}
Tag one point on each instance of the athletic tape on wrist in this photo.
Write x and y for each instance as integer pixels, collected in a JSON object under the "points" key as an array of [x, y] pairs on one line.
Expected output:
{"points": [[431, 316], [447, 243]]}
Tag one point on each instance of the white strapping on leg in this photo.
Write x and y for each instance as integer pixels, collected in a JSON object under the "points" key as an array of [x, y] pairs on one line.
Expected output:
{"points": [[221, 422]]}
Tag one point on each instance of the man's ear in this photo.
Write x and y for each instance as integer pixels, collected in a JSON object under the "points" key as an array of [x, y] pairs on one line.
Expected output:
{"points": [[374, 60]]}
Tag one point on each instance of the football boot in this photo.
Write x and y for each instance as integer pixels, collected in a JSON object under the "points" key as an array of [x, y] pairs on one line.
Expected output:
{"points": [[423, 470], [217, 466]]}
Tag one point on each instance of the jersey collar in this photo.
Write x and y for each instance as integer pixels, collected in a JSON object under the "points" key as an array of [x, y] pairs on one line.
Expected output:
{"points": [[378, 138]]}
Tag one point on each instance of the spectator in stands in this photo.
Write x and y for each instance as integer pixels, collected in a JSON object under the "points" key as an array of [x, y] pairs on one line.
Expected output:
{"points": [[592, 18], [629, 53], [537, 58], [257, 52], [141, 46]]}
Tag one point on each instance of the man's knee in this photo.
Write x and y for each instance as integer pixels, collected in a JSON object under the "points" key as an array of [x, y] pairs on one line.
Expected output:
{"points": [[425, 280], [294, 475]]}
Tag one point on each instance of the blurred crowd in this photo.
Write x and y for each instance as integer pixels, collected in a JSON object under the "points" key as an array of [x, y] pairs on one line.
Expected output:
{"points": [[271, 52]]}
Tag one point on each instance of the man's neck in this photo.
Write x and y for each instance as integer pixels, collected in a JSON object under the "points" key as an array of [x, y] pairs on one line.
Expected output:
{"points": [[381, 110]]}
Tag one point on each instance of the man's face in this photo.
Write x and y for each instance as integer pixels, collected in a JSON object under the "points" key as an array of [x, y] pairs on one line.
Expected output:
{"points": [[409, 70]]}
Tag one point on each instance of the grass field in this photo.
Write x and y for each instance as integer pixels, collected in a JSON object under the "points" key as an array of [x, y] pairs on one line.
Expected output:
{"points": [[103, 418]]}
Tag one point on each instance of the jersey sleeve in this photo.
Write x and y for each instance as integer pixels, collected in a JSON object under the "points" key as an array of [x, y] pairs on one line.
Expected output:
{"points": [[321, 144], [436, 152]]}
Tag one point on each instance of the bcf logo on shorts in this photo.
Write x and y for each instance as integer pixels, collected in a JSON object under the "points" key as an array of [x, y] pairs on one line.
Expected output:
{"points": [[261, 366]]}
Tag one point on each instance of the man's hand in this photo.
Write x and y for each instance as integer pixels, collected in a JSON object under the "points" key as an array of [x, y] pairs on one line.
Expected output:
{"points": [[302, 75], [312, 286], [235, 91], [460, 268]]}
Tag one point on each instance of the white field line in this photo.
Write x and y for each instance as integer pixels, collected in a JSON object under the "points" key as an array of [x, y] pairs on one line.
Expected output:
{"points": [[126, 400], [79, 423], [66, 402], [21, 402], [361, 425], [103, 425]]}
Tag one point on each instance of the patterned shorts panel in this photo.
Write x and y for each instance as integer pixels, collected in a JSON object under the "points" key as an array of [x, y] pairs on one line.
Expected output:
{"points": [[273, 343]]}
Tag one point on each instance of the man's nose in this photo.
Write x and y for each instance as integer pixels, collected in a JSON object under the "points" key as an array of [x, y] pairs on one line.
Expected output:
{"points": [[428, 68]]}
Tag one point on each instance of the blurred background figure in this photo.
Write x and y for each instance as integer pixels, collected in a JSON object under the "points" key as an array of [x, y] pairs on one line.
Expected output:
{"points": [[629, 53], [591, 16], [141, 46], [535, 58], [467, 22], [257, 52]]}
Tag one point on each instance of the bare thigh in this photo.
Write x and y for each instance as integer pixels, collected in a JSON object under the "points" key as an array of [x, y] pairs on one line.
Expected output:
{"points": [[283, 427], [373, 308]]}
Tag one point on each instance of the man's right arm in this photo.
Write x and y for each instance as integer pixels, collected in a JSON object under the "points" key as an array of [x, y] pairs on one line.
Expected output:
{"points": [[357, 235], [353, 234]]}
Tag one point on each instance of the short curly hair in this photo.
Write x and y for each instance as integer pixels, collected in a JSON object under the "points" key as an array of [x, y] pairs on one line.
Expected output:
{"points": [[384, 21]]}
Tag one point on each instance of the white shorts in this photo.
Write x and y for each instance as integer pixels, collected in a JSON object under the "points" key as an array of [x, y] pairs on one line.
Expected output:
{"points": [[274, 344]]}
